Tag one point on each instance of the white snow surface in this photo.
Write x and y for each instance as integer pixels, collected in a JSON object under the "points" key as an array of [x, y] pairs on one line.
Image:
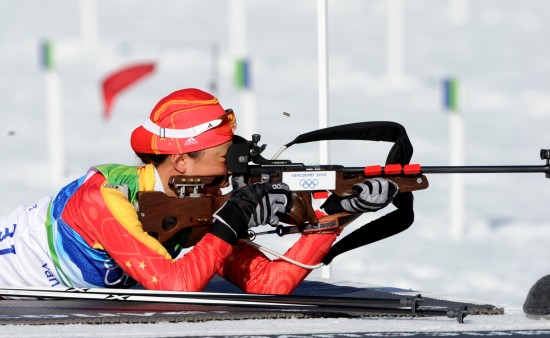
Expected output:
{"points": [[498, 55], [515, 320]]}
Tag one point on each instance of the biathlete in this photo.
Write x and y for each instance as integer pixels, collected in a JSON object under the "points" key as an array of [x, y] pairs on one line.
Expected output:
{"points": [[89, 234]]}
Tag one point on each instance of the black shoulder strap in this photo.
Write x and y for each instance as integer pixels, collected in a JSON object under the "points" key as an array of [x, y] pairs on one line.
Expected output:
{"points": [[401, 152]]}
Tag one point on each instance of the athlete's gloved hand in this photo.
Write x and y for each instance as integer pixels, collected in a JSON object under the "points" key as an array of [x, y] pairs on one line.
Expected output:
{"points": [[250, 206], [371, 195]]}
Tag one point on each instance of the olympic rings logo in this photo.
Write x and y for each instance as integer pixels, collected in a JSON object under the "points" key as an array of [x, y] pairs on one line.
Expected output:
{"points": [[309, 184]]}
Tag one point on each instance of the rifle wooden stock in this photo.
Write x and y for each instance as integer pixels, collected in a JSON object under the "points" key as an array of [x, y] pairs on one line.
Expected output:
{"points": [[185, 220], [164, 217]]}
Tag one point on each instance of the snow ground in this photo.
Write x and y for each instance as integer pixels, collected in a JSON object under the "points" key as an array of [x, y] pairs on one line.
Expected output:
{"points": [[514, 320], [497, 55]]}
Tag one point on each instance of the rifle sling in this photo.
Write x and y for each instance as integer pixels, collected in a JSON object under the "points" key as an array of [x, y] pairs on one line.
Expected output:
{"points": [[401, 152], [383, 227]]}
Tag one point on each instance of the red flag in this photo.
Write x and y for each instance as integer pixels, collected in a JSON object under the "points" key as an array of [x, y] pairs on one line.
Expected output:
{"points": [[120, 80]]}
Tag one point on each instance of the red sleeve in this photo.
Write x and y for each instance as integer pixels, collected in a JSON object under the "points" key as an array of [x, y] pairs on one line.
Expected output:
{"points": [[108, 221], [253, 272]]}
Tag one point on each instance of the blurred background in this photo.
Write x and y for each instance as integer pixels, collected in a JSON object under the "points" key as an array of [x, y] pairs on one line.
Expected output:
{"points": [[476, 69]]}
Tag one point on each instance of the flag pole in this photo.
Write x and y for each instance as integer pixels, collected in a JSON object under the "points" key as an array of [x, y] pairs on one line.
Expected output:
{"points": [[89, 29], [395, 73], [214, 62], [458, 11], [456, 158], [237, 39], [322, 62], [54, 115]]}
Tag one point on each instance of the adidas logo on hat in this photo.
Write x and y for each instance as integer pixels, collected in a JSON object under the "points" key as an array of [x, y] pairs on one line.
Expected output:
{"points": [[190, 141]]}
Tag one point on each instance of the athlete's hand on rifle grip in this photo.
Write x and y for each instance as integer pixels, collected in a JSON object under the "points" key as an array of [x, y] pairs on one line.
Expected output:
{"points": [[371, 195], [250, 206]]}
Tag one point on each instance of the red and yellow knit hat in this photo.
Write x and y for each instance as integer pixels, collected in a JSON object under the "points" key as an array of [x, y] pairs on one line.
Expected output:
{"points": [[185, 121]]}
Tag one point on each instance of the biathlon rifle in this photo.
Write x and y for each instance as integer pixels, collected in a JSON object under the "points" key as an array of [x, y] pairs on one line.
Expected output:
{"points": [[185, 219]]}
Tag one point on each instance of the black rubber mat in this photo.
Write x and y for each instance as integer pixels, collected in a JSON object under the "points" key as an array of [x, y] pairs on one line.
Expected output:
{"points": [[47, 312]]}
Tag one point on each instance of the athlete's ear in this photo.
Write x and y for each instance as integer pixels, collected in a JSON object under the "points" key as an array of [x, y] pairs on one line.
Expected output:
{"points": [[179, 163]]}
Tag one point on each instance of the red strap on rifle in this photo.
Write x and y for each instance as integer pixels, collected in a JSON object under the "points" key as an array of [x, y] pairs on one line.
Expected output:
{"points": [[393, 169], [320, 195], [373, 170], [411, 169]]}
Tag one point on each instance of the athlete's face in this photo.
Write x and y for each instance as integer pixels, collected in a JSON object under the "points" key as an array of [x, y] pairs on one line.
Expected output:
{"points": [[211, 162]]}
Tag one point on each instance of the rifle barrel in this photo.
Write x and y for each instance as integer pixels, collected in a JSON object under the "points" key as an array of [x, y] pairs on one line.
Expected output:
{"points": [[495, 169], [486, 169]]}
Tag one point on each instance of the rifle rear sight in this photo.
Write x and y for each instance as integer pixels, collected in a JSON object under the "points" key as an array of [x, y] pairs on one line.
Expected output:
{"points": [[256, 150]]}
